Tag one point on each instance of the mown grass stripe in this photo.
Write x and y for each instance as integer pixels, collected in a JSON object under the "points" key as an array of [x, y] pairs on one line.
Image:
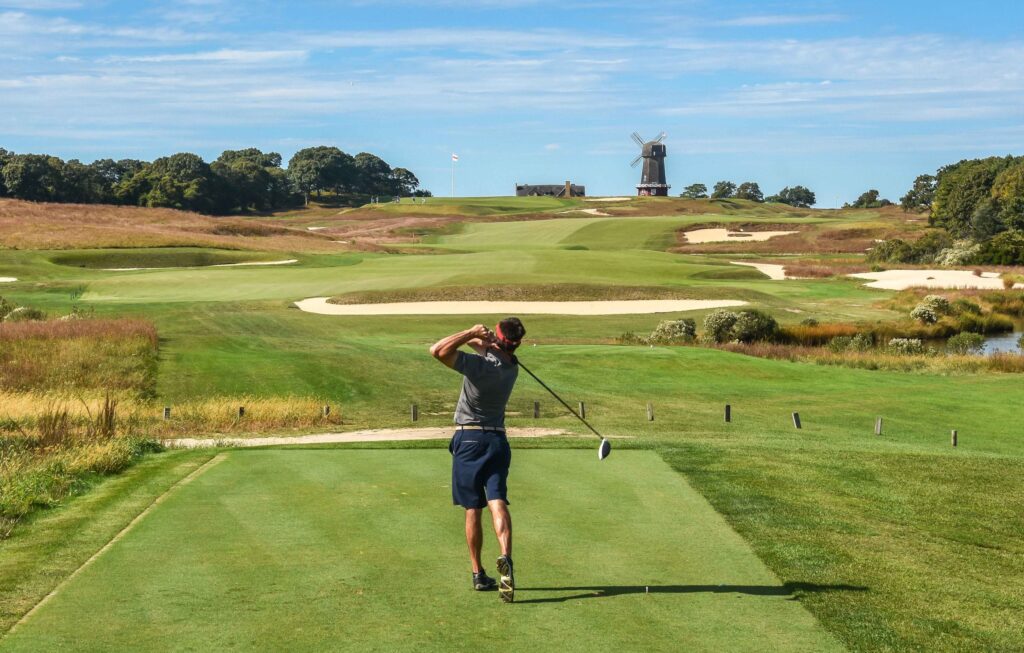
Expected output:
{"points": [[121, 534]]}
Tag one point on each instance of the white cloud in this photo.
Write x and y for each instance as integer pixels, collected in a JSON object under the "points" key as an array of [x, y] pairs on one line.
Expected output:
{"points": [[247, 57], [777, 20]]}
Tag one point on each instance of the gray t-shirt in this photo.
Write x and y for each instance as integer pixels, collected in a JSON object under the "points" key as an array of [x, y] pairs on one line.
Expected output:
{"points": [[486, 386]]}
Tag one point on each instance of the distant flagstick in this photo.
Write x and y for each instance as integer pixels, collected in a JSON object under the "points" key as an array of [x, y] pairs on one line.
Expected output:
{"points": [[455, 157]]}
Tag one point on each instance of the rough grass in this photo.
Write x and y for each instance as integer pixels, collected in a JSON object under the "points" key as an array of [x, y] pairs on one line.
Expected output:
{"points": [[40, 225], [79, 354], [935, 539], [170, 257]]}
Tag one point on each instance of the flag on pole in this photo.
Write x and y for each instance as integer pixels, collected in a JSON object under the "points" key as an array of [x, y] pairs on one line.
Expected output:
{"points": [[455, 157]]}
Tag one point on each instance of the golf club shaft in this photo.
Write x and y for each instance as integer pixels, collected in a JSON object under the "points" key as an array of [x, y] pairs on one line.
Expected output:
{"points": [[568, 407]]}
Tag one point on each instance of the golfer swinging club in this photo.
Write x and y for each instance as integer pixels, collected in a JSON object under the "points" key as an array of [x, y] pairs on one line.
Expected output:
{"points": [[480, 451]]}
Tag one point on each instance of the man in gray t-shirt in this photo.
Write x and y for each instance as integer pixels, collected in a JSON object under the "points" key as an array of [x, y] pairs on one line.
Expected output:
{"points": [[480, 452]]}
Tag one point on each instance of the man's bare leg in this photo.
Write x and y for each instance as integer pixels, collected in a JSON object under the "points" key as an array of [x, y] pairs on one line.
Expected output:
{"points": [[503, 529], [502, 525], [474, 537]]}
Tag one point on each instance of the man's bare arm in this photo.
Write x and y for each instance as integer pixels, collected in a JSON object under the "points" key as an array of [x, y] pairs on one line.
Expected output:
{"points": [[446, 350]]}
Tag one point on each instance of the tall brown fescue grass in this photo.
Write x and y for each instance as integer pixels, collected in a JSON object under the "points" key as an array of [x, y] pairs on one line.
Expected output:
{"points": [[28, 412], [79, 354], [41, 225], [816, 334], [55, 445]]}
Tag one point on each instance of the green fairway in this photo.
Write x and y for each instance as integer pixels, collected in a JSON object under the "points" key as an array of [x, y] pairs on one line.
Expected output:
{"points": [[361, 550]]}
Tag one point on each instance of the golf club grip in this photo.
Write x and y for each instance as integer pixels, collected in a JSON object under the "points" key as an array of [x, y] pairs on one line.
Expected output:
{"points": [[567, 406]]}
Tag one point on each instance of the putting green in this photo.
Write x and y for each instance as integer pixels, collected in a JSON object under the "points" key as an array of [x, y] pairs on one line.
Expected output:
{"points": [[305, 550]]}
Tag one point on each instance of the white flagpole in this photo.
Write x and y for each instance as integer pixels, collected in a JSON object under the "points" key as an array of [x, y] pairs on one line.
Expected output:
{"points": [[453, 176]]}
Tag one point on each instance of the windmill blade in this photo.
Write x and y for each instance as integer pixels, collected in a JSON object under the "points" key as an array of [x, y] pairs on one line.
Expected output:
{"points": [[639, 140], [636, 160], [660, 137]]}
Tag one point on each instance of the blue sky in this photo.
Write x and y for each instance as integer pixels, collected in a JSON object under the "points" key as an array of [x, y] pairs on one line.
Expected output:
{"points": [[836, 95]]}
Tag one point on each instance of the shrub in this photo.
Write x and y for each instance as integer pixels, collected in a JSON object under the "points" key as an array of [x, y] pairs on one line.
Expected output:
{"points": [[630, 338], [906, 347], [966, 343], [840, 344], [991, 323], [674, 332], [924, 315], [890, 251], [24, 314], [809, 322], [962, 305], [753, 325], [718, 325], [5, 308], [962, 252], [1020, 342], [937, 303], [1006, 248]]}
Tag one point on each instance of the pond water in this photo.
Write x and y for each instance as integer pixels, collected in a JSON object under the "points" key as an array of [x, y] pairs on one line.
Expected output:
{"points": [[1005, 342]]}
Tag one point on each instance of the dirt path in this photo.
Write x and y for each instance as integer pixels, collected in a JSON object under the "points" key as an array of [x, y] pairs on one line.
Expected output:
{"points": [[371, 435]]}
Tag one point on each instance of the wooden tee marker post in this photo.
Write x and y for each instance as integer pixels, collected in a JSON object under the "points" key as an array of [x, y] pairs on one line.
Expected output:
{"points": [[878, 426], [953, 437], [796, 420], [728, 413]]}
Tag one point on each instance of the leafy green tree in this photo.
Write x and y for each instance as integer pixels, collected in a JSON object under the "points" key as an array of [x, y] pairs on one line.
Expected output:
{"points": [[869, 200], [404, 181], [4, 157], [962, 188], [34, 177], [373, 175], [723, 190], [695, 192], [986, 220], [1008, 193], [749, 190], [180, 181], [253, 179], [1005, 249], [316, 169], [797, 196], [920, 195]]}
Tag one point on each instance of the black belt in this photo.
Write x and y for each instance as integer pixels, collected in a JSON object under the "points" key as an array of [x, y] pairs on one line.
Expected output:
{"points": [[474, 427]]}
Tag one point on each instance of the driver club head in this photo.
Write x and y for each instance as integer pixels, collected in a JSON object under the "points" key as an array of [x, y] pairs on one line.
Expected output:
{"points": [[604, 450]]}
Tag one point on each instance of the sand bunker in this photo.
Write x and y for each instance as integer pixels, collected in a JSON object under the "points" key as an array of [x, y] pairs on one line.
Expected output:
{"points": [[320, 306], [374, 435], [951, 279], [589, 212], [7, 279], [773, 271], [607, 199], [197, 267], [725, 236]]}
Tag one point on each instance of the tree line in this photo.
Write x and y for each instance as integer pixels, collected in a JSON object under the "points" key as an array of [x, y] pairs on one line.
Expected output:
{"points": [[977, 207], [237, 181], [797, 196]]}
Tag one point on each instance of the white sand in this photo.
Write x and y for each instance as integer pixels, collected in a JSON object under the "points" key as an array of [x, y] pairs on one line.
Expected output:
{"points": [[903, 279], [726, 236], [607, 199], [320, 306], [315, 228], [773, 271], [375, 435], [199, 267], [588, 211], [7, 279]]}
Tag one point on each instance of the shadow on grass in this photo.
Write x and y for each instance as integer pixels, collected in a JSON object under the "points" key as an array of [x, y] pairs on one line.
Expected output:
{"points": [[603, 591]]}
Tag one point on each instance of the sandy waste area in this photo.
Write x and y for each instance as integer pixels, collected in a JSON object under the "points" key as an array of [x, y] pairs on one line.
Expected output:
{"points": [[725, 236], [950, 279], [199, 267], [7, 279], [773, 271], [373, 435], [320, 306]]}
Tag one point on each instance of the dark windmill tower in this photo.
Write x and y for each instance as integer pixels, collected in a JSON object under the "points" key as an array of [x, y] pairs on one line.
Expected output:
{"points": [[653, 154]]}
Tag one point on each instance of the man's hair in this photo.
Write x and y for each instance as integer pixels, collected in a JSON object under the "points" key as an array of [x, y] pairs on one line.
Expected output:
{"points": [[510, 333]]}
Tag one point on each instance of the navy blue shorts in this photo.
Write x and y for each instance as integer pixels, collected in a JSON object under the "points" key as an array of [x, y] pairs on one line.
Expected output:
{"points": [[480, 462]]}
